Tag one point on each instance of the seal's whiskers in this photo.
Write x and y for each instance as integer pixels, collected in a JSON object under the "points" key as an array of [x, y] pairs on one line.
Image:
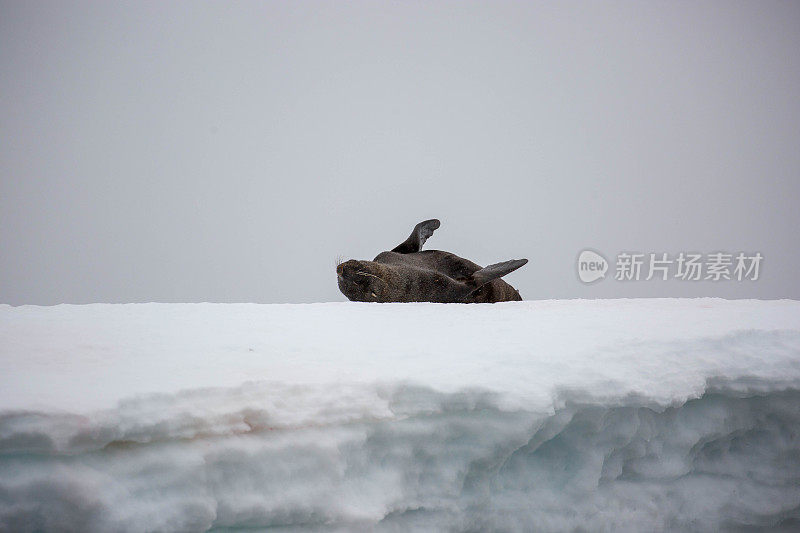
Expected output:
{"points": [[371, 275]]}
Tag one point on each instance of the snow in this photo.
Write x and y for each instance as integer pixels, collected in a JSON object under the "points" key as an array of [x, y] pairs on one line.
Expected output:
{"points": [[657, 414]]}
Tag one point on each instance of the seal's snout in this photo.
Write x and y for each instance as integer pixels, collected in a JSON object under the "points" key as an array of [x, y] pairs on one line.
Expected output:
{"points": [[348, 270]]}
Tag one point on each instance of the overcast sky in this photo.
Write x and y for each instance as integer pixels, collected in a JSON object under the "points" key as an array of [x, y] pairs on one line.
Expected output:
{"points": [[230, 151]]}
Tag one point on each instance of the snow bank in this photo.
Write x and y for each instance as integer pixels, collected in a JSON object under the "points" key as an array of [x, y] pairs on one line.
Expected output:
{"points": [[555, 415]]}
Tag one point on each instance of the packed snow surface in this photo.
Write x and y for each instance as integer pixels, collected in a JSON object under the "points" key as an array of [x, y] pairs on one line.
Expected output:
{"points": [[657, 415]]}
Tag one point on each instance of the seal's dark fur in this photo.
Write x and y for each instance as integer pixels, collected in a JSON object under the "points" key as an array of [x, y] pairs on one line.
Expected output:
{"points": [[407, 274]]}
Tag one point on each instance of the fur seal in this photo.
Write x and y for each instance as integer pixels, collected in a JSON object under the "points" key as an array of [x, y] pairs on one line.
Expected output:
{"points": [[408, 274]]}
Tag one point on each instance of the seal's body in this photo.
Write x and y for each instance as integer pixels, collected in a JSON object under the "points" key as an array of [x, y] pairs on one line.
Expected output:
{"points": [[407, 274]]}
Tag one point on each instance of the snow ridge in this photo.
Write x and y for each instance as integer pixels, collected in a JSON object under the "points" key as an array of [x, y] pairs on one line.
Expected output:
{"points": [[657, 415], [415, 459]]}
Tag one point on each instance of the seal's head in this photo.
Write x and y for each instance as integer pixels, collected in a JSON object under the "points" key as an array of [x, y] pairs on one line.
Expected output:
{"points": [[363, 281]]}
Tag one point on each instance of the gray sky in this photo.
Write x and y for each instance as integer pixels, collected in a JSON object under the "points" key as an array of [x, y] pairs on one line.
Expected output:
{"points": [[187, 151]]}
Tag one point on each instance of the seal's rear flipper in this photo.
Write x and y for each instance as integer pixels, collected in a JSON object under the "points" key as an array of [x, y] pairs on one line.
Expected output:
{"points": [[498, 270], [421, 232]]}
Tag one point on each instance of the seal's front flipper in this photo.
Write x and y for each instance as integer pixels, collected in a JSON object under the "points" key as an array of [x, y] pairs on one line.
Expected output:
{"points": [[498, 270], [421, 232]]}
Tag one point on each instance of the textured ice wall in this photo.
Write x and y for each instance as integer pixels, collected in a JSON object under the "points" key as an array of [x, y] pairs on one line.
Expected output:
{"points": [[551, 416]]}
